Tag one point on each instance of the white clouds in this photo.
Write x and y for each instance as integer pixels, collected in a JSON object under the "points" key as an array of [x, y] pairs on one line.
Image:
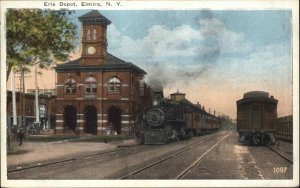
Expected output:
{"points": [[209, 60], [183, 41], [170, 48]]}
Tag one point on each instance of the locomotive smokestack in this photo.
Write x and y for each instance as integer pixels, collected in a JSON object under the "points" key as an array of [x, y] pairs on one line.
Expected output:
{"points": [[157, 95]]}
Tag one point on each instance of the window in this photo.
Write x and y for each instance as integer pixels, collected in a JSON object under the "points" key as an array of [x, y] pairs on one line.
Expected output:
{"points": [[114, 85], [70, 86], [88, 35], [95, 34], [90, 86]]}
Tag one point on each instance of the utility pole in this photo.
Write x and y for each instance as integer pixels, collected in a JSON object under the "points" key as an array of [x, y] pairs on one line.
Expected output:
{"points": [[37, 110], [14, 109], [14, 99], [22, 97]]}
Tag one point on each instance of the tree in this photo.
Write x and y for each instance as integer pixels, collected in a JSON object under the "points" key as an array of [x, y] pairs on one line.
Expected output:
{"points": [[38, 36]]}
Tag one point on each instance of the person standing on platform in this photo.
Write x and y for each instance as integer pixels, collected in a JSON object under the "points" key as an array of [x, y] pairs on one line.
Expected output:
{"points": [[21, 137]]}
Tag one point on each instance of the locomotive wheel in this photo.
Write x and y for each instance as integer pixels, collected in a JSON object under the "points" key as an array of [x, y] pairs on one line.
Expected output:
{"points": [[182, 134], [256, 141], [191, 134], [174, 135], [168, 132]]}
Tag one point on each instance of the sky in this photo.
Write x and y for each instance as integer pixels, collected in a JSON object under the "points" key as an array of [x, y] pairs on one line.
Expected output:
{"points": [[213, 56]]}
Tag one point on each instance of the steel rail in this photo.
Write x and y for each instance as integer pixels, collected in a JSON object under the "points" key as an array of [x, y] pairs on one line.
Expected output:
{"points": [[38, 165], [165, 158], [280, 154], [201, 157]]}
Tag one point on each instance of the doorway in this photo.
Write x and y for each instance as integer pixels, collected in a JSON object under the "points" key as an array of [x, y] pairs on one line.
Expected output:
{"points": [[90, 114], [70, 118], [114, 118], [256, 116]]}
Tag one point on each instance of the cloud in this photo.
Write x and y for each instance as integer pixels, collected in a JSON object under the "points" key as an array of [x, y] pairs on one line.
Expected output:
{"points": [[178, 54], [208, 62]]}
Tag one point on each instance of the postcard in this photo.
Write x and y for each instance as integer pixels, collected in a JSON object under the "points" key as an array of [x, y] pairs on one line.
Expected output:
{"points": [[150, 93]]}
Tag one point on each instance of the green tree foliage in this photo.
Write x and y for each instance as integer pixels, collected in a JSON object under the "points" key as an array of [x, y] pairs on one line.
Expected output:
{"points": [[38, 36]]}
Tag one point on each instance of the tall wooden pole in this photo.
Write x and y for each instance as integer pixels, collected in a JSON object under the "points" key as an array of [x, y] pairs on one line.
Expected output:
{"points": [[14, 123], [14, 98], [37, 110]]}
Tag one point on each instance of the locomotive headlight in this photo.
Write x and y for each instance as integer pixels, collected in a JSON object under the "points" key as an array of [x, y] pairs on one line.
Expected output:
{"points": [[155, 117]]}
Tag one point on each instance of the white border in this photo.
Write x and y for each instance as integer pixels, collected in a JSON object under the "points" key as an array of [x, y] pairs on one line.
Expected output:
{"points": [[162, 5]]}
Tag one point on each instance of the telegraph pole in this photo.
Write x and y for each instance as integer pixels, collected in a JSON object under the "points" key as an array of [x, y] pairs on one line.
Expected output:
{"points": [[37, 110], [22, 97], [14, 109], [14, 99]]}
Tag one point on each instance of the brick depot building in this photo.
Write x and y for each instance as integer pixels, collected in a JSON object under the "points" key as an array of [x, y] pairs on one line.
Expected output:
{"points": [[98, 91]]}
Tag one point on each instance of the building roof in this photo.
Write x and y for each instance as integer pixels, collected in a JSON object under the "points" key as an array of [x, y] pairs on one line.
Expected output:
{"points": [[95, 17], [110, 62]]}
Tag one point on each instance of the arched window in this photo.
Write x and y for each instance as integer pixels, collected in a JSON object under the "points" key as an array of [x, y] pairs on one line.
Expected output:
{"points": [[90, 86], [70, 86], [114, 85], [88, 35], [95, 34]]}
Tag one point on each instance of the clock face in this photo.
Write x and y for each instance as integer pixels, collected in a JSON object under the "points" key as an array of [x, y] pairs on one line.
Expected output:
{"points": [[91, 50]]}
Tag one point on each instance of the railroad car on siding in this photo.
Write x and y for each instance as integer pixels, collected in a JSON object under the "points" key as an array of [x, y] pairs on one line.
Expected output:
{"points": [[256, 118], [285, 128]]}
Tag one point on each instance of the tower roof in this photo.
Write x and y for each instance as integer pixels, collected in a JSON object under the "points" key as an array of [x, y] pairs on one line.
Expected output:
{"points": [[95, 17]]}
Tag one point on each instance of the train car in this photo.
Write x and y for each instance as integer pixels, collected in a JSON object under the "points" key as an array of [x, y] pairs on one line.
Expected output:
{"points": [[285, 128], [256, 118], [206, 123], [173, 119]]}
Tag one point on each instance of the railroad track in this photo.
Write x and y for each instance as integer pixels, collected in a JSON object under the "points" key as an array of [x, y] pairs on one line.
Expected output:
{"points": [[182, 173], [280, 154], [72, 159]]}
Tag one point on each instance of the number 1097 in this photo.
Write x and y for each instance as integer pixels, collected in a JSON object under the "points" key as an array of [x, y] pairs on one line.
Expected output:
{"points": [[279, 170]]}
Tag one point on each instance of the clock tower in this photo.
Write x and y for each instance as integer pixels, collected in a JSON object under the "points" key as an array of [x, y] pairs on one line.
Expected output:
{"points": [[94, 41]]}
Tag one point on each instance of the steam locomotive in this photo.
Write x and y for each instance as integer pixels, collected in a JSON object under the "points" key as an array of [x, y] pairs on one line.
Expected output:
{"points": [[256, 118], [177, 118]]}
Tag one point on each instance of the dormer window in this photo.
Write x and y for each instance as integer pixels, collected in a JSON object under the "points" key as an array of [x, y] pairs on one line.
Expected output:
{"points": [[70, 86], [114, 85], [90, 86]]}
